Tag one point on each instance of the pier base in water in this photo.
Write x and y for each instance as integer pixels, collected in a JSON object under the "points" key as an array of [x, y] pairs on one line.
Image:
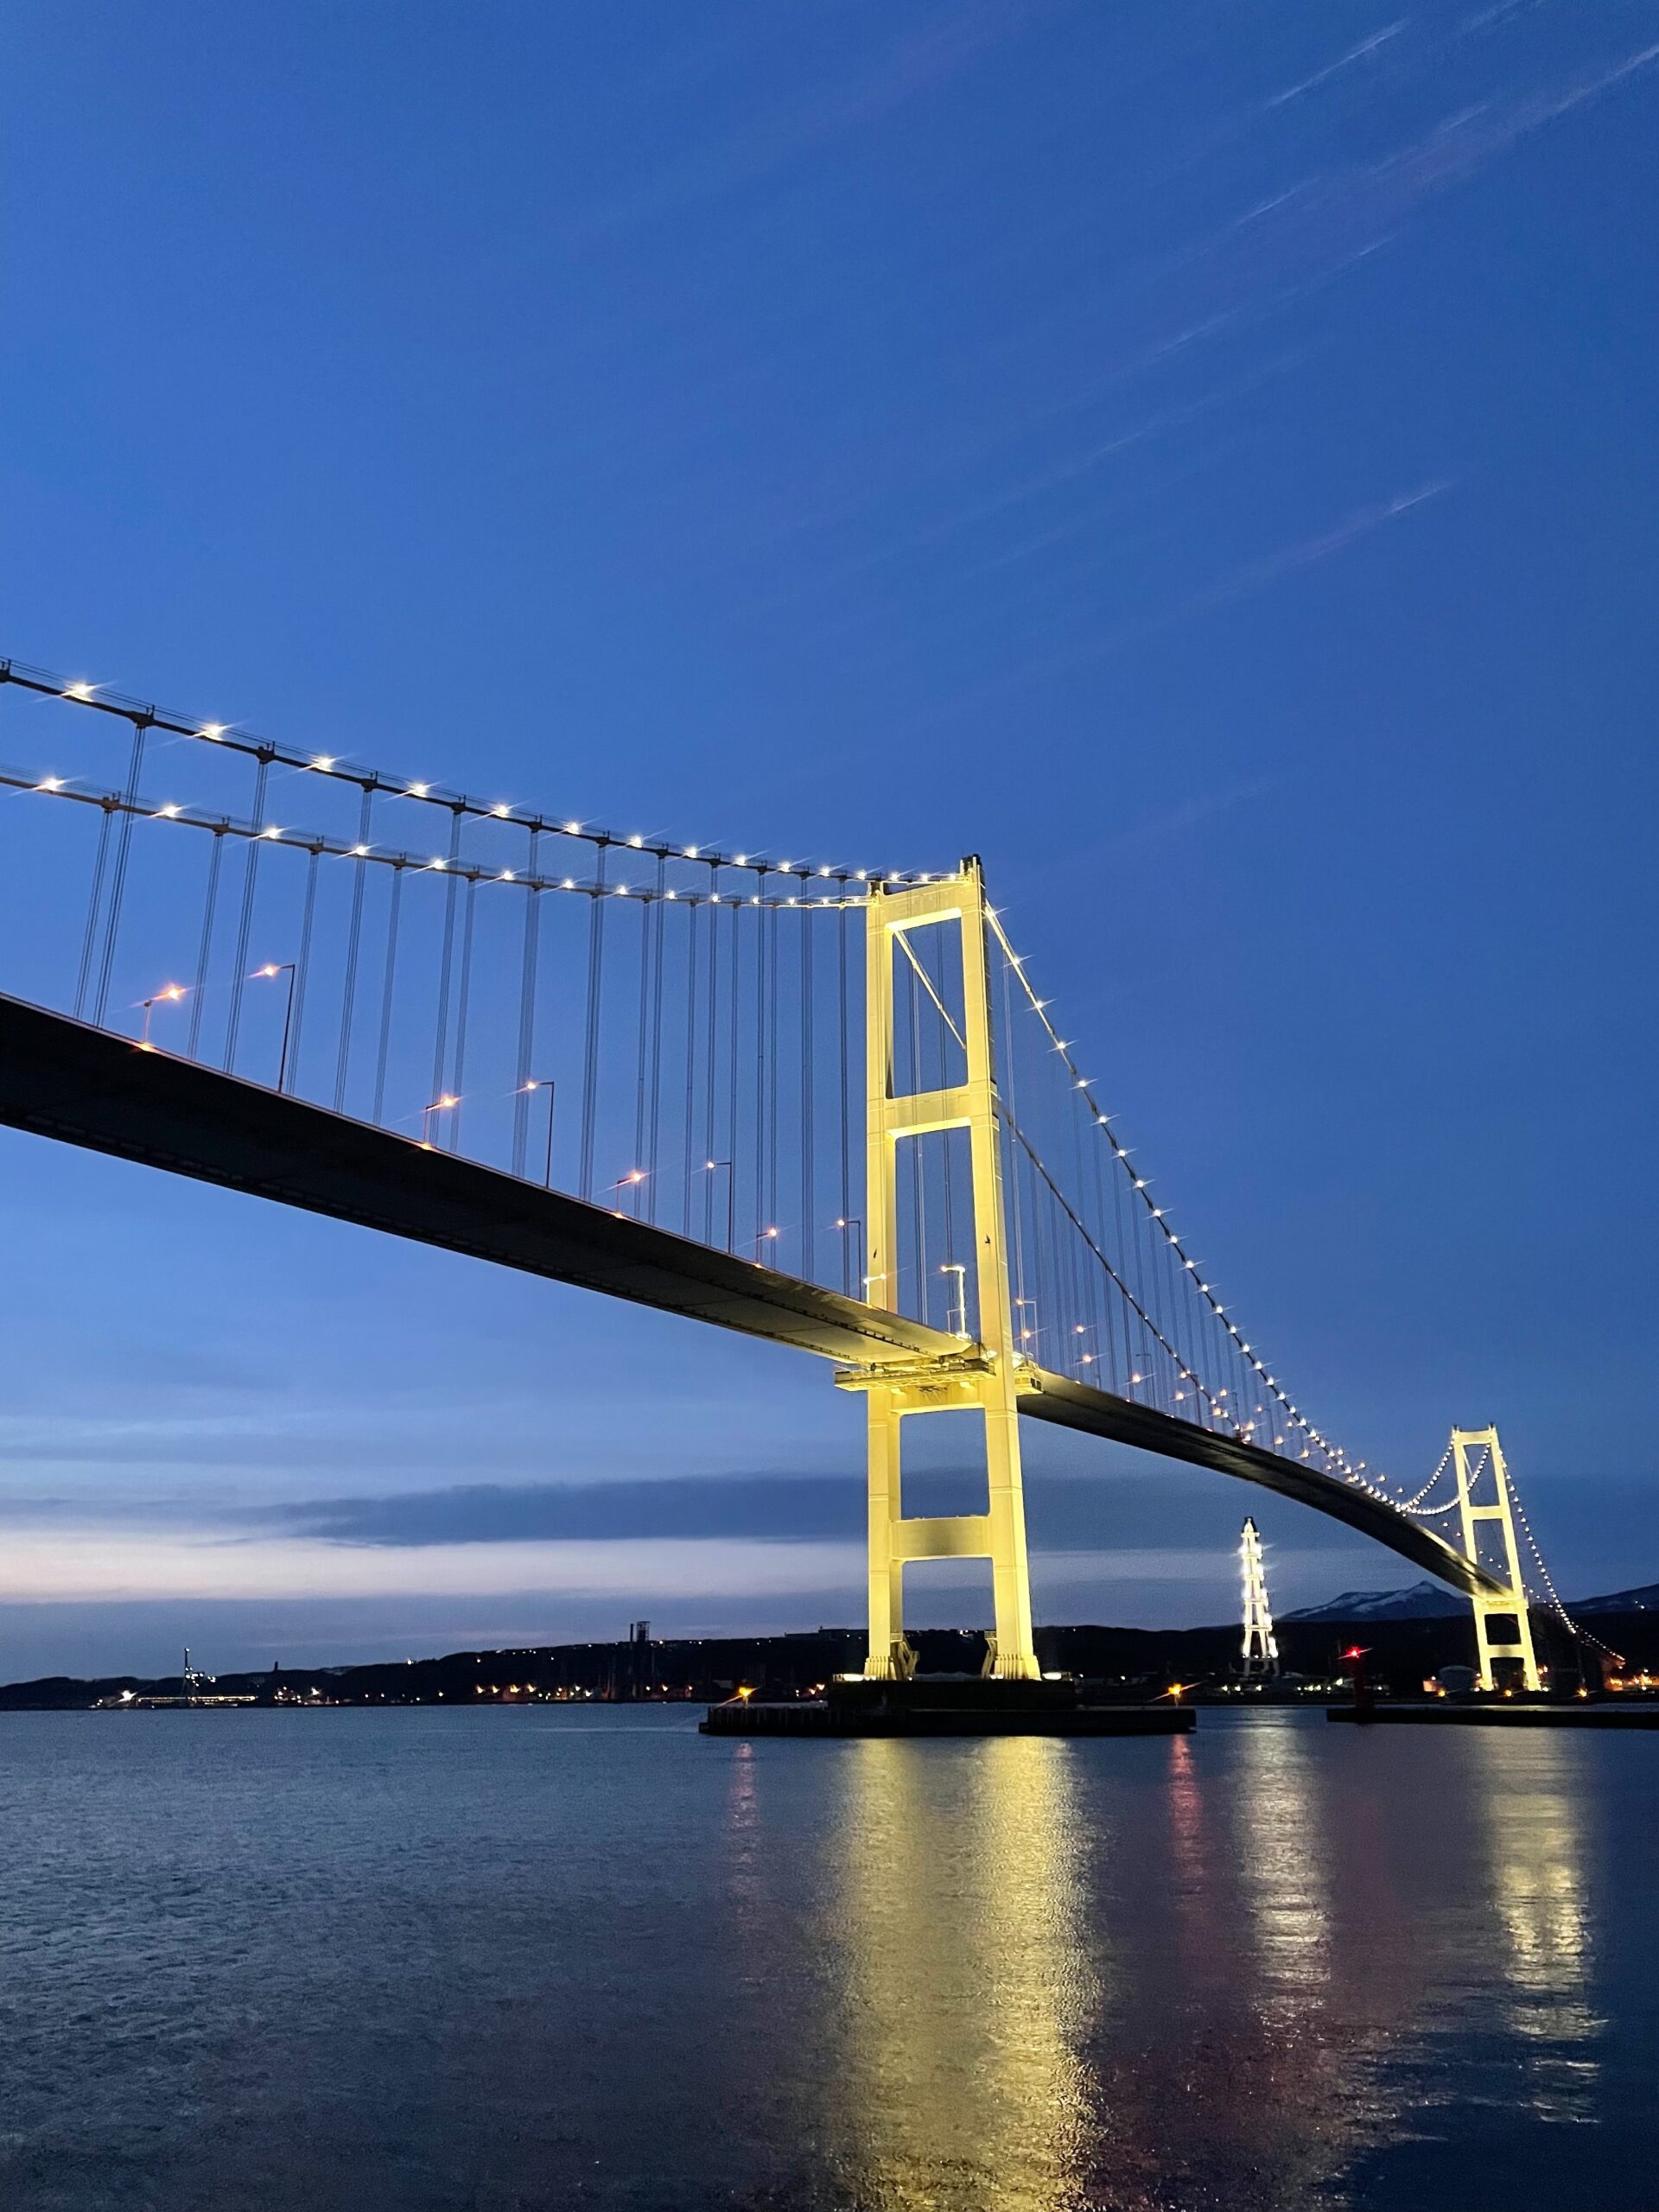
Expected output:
{"points": [[1450, 1713], [946, 1705]]}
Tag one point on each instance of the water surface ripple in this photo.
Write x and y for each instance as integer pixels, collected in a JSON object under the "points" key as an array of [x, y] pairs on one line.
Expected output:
{"points": [[423, 1962]]}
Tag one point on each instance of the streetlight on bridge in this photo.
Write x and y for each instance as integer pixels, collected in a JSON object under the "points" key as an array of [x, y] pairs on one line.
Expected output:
{"points": [[852, 1259], [438, 1106], [547, 1083], [632, 1180], [271, 970], [169, 995], [712, 1167]]}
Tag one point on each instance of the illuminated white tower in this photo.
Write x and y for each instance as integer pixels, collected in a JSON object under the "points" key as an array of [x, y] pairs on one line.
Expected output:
{"points": [[1260, 1647]]}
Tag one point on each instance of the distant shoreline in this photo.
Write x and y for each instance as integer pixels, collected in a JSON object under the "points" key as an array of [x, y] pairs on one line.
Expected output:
{"points": [[1403, 1651]]}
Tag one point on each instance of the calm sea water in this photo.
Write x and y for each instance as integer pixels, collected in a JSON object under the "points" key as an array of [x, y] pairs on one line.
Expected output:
{"points": [[550, 1957]]}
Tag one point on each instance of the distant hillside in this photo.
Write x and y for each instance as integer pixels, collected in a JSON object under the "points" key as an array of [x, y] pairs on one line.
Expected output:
{"points": [[1432, 1601], [1644, 1600], [1421, 1601], [1408, 1635]]}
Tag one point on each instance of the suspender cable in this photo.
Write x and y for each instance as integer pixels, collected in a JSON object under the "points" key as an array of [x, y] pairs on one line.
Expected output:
{"points": [[711, 1062], [353, 939], [735, 980], [205, 950], [526, 1010], [761, 1217], [1010, 1161], [118, 877], [590, 1035], [915, 1147], [462, 999], [245, 927], [1082, 1288], [772, 1075], [1040, 1314], [302, 970], [641, 1080], [96, 902], [440, 1044], [809, 1181], [659, 917], [1111, 1306], [947, 1141], [844, 1110], [393, 909], [693, 981]]}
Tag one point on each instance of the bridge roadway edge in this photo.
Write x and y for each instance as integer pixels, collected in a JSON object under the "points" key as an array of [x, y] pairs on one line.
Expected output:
{"points": [[78, 1084]]}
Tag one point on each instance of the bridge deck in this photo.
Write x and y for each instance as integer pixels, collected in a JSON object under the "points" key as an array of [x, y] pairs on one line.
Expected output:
{"points": [[82, 1085]]}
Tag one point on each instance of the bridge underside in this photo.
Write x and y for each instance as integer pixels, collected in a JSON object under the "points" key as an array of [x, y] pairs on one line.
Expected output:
{"points": [[67, 1080]]}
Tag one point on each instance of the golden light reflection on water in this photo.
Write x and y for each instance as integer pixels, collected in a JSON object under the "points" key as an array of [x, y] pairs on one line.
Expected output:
{"points": [[971, 1978], [1279, 2100], [1060, 1975], [1532, 1797], [1283, 1870]]}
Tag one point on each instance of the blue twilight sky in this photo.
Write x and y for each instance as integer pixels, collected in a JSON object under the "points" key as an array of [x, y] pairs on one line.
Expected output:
{"points": [[1199, 456]]}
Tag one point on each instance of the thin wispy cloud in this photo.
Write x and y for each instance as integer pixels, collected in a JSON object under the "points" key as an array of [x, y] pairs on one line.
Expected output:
{"points": [[1245, 582], [1259, 266], [1257, 576], [1363, 52], [917, 63]]}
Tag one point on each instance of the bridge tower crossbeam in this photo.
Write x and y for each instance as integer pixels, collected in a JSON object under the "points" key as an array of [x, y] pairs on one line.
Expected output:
{"points": [[983, 1374]]}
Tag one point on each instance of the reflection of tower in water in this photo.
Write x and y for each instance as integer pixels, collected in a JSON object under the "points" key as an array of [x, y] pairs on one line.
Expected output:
{"points": [[1534, 1793], [969, 1986]]}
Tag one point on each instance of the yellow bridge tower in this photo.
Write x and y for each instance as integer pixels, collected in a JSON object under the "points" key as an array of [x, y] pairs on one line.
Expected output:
{"points": [[983, 1373], [1484, 1495]]}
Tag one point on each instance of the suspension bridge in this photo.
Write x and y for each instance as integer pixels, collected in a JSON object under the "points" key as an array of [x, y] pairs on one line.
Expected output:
{"points": [[814, 1102]]}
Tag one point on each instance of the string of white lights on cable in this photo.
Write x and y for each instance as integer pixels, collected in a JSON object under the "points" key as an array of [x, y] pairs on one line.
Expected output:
{"points": [[1548, 1596], [307, 841], [231, 737], [1352, 1471]]}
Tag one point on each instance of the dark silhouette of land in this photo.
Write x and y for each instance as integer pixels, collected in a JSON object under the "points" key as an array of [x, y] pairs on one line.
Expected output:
{"points": [[1401, 1653]]}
